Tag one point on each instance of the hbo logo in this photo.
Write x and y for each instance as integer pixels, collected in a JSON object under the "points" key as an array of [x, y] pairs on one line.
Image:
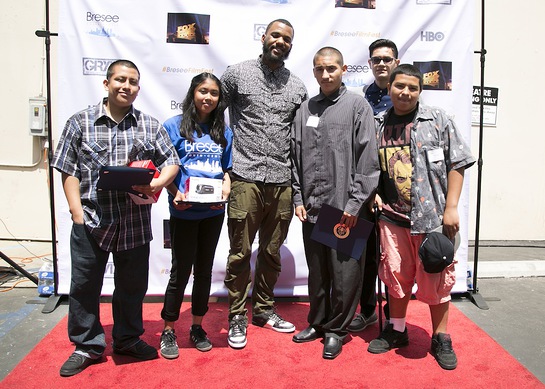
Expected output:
{"points": [[431, 36]]}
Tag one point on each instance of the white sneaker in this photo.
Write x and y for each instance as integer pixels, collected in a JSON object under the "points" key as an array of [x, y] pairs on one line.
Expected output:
{"points": [[237, 331]]}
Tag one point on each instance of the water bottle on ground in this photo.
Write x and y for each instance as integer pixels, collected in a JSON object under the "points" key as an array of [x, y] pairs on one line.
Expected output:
{"points": [[46, 279]]}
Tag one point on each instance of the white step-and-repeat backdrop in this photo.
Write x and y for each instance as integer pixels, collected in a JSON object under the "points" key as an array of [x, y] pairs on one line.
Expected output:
{"points": [[172, 41]]}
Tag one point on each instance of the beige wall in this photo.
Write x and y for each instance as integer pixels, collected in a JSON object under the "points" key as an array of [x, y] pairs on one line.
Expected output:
{"points": [[512, 201], [512, 184]]}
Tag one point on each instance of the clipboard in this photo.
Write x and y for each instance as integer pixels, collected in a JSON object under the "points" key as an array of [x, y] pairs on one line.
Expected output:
{"points": [[329, 232], [122, 178]]}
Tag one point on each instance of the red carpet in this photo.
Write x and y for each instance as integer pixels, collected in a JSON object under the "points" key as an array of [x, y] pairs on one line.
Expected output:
{"points": [[272, 360]]}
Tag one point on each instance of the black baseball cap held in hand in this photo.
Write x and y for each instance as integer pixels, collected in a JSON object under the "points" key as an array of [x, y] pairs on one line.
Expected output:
{"points": [[436, 252]]}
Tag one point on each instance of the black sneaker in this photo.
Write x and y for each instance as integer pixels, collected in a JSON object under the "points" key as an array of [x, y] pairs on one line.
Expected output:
{"points": [[76, 363], [272, 320], [198, 336], [360, 322], [169, 347], [237, 331], [139, 350], [441, 349], [388, 339]]}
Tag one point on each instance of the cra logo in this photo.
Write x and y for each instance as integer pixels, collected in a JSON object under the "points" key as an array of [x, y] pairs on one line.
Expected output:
{"points": [[259, 30], [96, 66]]}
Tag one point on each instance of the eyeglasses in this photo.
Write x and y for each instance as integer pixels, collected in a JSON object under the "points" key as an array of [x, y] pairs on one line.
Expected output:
{"points": [[377, 60]]}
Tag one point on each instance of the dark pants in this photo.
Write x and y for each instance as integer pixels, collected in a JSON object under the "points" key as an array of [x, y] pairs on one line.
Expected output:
{"points": [[194, 245], [131, 283], [368, 298], [334, 284], [255, 207]]}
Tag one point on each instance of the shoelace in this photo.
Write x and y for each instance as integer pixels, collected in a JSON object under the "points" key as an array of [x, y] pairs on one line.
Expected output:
{"points": [[169, 337], [446, 344], [236, 328], [199, 334], [274, 316]]}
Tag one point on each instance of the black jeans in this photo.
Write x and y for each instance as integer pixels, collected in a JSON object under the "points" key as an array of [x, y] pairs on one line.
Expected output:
{"points": [[131, 283], [193, 247], [334, 284]]}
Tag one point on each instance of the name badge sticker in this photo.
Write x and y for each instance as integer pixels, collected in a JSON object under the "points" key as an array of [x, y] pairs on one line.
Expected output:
{"points": [[313, 121], [436, 155]]}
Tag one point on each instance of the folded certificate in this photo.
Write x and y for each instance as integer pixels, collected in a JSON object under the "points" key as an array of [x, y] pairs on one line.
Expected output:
{"points": [[122, 178], [349, 241]]}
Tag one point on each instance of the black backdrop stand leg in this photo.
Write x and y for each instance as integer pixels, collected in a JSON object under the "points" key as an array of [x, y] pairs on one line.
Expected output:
{"points": [[474, 295], [54, 300], [19, 268]]}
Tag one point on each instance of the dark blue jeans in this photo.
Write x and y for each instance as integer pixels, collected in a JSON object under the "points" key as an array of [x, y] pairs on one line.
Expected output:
{"points": [[193, 248], [131, 283]]}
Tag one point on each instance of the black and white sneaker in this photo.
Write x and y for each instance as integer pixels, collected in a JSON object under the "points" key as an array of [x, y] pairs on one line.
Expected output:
{"points": [[198, 336], [272, 320], [169, 347], [237, 331]]}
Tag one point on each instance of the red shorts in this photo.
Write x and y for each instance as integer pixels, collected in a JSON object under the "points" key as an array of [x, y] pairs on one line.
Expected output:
{"points": [[400, 267]]}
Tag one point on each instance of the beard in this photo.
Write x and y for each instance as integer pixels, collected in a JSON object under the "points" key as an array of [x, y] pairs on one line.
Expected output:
{"points": [[268, 55]]}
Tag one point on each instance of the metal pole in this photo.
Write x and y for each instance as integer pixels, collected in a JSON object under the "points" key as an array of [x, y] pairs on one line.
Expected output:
{"points": [[474, 295], [53, 299]]}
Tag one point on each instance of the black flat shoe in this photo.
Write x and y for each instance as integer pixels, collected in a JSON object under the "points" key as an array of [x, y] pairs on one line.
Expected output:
{"points": [[307, 335], [139, 350], [332, 347]]}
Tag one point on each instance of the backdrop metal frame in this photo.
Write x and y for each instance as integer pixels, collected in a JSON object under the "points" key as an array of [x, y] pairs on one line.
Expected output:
{"points": [[55, 298]]}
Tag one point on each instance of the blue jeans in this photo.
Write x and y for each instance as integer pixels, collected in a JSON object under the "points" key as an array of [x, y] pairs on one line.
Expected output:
{"points": [[131, 283]]}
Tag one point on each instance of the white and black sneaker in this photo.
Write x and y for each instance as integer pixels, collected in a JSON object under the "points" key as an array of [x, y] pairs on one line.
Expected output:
{"points": [[237, 331], [169, 347], [273, 320]]}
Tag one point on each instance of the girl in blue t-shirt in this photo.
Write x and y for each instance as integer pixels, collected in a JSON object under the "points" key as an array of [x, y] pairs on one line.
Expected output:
{"points": [[203, 143]]}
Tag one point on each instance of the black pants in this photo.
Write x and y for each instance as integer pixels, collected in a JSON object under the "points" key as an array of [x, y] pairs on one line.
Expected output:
{"points": [[193, 248], [368, 298], [334, 283], [131, 283]]}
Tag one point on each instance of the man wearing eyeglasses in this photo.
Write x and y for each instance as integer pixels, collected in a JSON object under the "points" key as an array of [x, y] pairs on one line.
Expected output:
{"points": [[382, 60]]}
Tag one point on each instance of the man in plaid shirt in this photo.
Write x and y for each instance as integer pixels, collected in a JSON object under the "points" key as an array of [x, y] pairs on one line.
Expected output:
{"points": [[111, 133]]}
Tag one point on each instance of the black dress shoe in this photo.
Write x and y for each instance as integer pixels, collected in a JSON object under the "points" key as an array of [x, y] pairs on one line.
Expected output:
{"points": [[332, 347], [307, 335]]}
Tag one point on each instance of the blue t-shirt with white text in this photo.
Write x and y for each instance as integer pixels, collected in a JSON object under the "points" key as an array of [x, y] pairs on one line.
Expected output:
{"points": [[200, 158]]}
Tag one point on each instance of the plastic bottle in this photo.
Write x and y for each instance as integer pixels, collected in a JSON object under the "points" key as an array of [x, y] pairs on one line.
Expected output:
{"points": [[469, 279], [46, 279]]}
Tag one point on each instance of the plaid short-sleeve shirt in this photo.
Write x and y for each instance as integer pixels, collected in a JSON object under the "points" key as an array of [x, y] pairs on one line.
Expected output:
{"points": [[90, 140]]}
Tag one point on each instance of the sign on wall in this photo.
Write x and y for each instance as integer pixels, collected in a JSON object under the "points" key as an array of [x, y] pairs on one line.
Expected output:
{"points": [[490, 106]]}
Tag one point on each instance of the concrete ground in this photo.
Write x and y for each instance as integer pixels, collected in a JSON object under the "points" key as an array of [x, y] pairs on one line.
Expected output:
{"points": [[511, 284]]}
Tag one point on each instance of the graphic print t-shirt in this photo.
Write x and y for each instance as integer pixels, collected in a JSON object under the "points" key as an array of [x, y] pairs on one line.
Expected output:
{"points": [[396, 168]]}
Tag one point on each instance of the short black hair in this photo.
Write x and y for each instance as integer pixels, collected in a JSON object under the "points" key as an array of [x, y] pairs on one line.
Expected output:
{"points": [[121, 62], [408, 70], [283, 21], [383, 43], [331, 51]]}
